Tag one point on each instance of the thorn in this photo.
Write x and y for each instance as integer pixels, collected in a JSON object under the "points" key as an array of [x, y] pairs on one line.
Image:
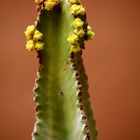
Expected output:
{"points": [[78, 77], [80, 94], [38, 107], [84, 117], [74, 66], [61, 93], [86, 129], [72, 55], [87, 137], [77, 74], [81, 107]]}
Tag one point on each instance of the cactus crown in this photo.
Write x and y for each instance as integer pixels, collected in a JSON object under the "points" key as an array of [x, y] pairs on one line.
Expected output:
{"points": [[61, 91]]}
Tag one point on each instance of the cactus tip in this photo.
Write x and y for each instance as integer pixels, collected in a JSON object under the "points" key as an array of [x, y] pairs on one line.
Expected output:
{"points": [[50, 4]]}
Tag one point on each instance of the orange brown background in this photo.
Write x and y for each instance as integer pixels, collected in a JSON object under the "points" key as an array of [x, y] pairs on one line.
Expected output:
{"points": [[112, 62]]}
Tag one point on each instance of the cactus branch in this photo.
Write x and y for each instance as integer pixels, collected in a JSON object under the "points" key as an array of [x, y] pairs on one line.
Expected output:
{"points": [[61, 91]]}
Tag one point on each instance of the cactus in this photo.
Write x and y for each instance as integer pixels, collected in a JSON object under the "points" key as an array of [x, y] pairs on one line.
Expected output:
{"points": [[63, 109]]}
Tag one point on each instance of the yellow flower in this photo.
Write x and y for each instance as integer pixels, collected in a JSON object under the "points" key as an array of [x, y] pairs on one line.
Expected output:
{"points": [[37, 35], [78, 23], [30, 45], [75, 48], [77, 10], [79, 32], [50, 4], [29, 31], [73, 38], [39, 46]]}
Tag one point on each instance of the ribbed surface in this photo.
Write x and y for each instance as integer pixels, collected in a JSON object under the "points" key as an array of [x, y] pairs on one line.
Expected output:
{"points": [[58, 90], [85, 99]]}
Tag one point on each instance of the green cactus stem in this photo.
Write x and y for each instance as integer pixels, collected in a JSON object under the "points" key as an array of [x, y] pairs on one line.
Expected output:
{"points": [[63, 109]]}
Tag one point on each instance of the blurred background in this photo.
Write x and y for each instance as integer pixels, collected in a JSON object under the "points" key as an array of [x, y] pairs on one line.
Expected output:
{"points": [[112, 62]]}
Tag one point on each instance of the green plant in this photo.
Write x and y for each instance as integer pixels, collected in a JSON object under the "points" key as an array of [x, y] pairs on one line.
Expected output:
{"points": [[61, 91]]}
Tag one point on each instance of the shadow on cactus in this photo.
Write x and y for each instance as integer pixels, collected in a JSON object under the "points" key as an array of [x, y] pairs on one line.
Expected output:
{"points": [[63, 109]]}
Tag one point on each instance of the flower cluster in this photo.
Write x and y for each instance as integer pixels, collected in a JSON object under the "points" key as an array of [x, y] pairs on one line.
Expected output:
{"points": [[34, 39]]}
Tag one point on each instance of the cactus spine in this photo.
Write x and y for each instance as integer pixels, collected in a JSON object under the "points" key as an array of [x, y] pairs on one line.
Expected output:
{"points": [[61, 91]]}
